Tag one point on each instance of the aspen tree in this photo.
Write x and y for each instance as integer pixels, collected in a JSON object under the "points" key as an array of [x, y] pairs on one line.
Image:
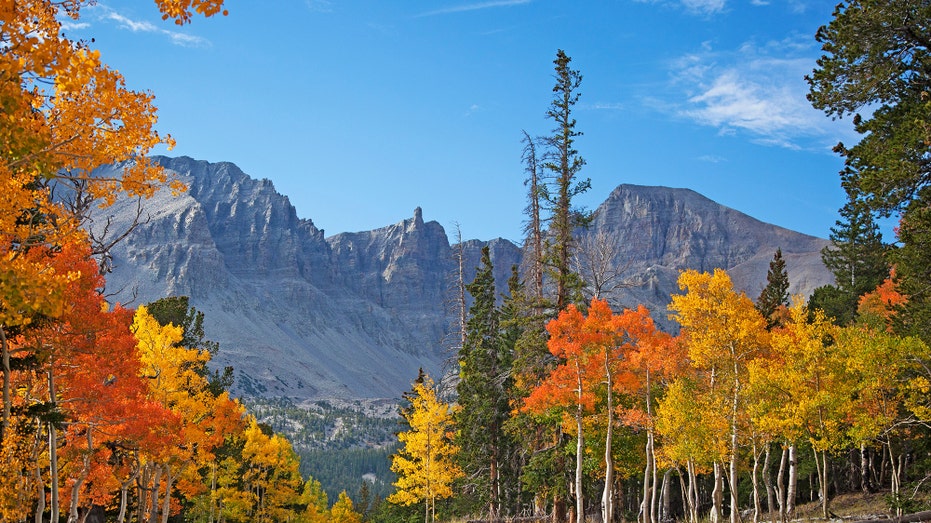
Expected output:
{"points": [[425, 464]]}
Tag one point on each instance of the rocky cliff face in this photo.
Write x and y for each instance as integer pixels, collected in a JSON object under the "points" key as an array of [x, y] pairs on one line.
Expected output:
{"points": [[354, 315], [659, 231]]}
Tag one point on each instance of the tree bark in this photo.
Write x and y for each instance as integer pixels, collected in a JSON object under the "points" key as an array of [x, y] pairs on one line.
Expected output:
{"points": [[821, 469], [166, 503], [156, 486], [607, 497], [793, 482], [732, 479], [665, 513], [768, 483], [757, 509], [646, 513], [579, 450], [781, 484], [53, 452], [865, 484], [7, 376], [79, 481], [717, 494], [124, 499], [40, 483], [649, 470], [693, 492]]}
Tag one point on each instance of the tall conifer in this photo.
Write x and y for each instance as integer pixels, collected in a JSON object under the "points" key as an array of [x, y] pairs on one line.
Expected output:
{"points": [[564, 163], [856, 257], [776, 292], [483, 391]]}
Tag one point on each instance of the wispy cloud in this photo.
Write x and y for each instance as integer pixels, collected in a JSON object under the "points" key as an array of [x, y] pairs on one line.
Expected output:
{"points": [[711, 158], [602, 106], [705, 7], [474, 108], [141, 26], [69, 25], [755, 90], [476, 6], [319, 6], [132, 25], [699, 7]]}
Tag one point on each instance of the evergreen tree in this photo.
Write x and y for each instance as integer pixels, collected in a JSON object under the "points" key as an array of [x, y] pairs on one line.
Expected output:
{"points": [[855, 255], [856, 258], [776, 292], [538, 469], [877, 59], [533, 244], [564, 163], [483, 392]]}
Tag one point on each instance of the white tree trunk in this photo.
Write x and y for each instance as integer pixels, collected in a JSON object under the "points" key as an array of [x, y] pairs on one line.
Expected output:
{"points": [[768, 482], [607, 497], [793, 482], [53, 453], [757, 509], [579, 450], [717, 494]]}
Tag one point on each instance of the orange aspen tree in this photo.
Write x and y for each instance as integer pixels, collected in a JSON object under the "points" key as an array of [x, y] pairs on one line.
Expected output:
{"points": [[566, 386], [83, 394], [597, 351], [650, 356], [65, 113]]}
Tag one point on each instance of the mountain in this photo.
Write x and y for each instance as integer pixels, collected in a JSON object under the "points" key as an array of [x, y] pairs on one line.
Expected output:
{"points": [[354, 315], [658, 231]]}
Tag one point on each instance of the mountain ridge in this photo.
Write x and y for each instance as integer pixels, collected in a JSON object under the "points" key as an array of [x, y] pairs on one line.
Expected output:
{"points": [[353, 315]]}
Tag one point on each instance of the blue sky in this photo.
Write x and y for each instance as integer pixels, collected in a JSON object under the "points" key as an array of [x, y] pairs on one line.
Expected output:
{"points": [[360, 111]]}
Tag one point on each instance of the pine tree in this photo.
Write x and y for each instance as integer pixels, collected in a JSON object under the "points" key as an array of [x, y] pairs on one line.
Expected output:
{"points": [[533, 244], [564, 163], [856, 258], [776, 292], [877, 60], [856, 253], [483, 390]]}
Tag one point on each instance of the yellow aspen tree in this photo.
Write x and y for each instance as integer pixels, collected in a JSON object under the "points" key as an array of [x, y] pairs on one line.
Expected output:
{"points": [[693, 431], [270, 473], [315, 500], [425, 464], [343, 512], [884, 369], [206, 419], [723, 333], [809, 388]]}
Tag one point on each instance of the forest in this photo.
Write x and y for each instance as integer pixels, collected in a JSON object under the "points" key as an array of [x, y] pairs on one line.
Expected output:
{"points": [[563, 407]]}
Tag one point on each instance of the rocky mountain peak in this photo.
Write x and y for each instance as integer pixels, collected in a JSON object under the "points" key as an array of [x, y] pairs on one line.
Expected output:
{"points": [[355, 314]]}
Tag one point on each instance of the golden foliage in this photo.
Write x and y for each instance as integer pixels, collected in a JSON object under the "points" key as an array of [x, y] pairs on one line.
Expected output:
{"points": [[425, 465]]}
